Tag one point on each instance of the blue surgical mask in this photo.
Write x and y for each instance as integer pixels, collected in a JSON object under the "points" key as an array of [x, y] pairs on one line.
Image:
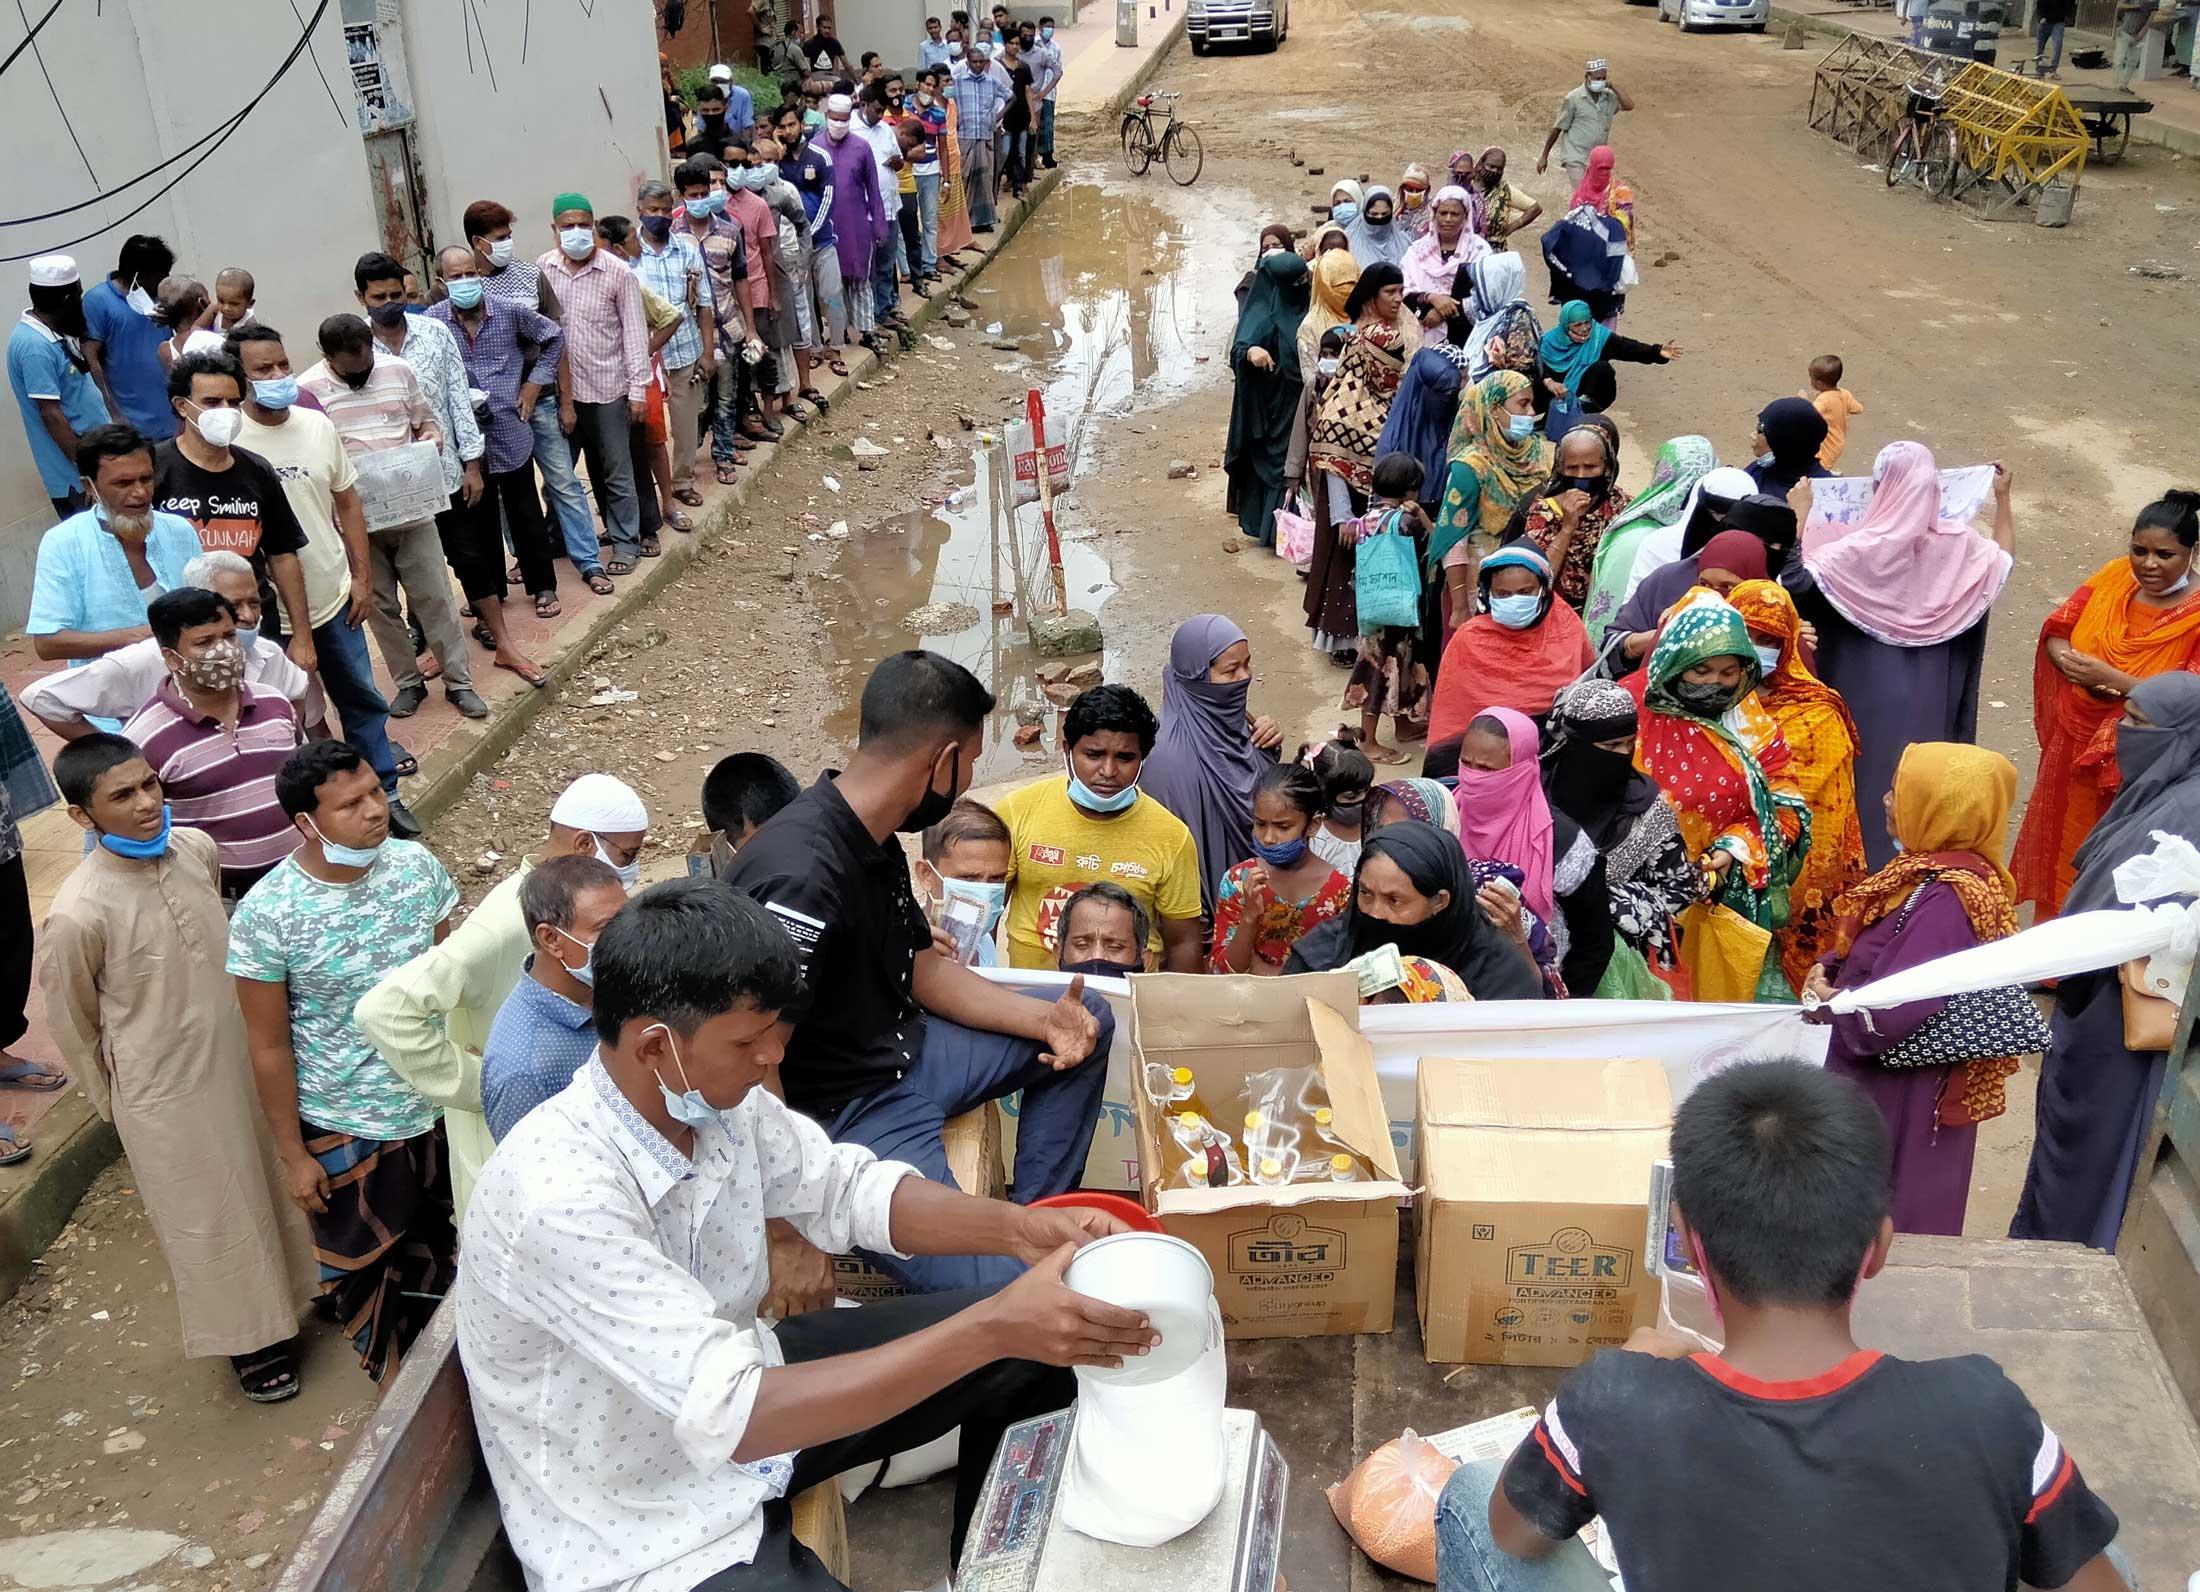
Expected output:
{"points": [[1093, 802], [756, 179], [1517, 612], [718, 197], [578, 243], [1283, 856], [1046, 33], [141, 850], [248, 637], [275, 392], [344, 856], [465, 292], [1520, 427], [991, 897], [1343, 213], [585, 974], [1768, 658], [690, 1107], [698, 209]]}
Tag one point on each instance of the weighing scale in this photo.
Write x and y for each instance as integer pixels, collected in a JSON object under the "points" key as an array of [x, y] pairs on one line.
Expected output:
{"points": [[1015, 1544]]}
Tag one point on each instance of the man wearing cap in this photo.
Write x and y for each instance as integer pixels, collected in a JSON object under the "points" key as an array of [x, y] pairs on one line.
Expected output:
{"points": [[608, 363], [429, 1018], [1584, 121], [740, 104], [52, 378], [859, 216], [980, 96]]}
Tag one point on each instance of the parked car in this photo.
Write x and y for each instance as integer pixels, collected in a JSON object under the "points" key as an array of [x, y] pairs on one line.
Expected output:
{"points": [[1694, 14], [1240, 21]]}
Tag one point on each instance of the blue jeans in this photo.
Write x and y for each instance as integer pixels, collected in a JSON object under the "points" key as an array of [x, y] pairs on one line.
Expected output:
{"points": [[928, 221], [568, 501], [1046, 128], [2047, 46], [1469, 1560], [347, 675], [961, 1069]]}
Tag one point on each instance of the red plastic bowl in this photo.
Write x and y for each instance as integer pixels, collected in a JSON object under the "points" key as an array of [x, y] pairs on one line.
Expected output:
{"points": [[1127, 1211]]}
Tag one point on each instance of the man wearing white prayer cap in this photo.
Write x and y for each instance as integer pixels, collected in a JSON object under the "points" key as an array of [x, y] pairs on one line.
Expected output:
{"points": [[1584, 121], [52, 379], [429, 1018]]}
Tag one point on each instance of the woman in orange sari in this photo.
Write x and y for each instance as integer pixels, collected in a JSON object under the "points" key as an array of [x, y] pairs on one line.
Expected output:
{"points": [[1822, 743], [2133, 619], [954, 202]]}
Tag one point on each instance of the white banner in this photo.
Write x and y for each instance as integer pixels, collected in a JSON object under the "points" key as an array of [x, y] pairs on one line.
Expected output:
{"points": [[1690, 1040]]}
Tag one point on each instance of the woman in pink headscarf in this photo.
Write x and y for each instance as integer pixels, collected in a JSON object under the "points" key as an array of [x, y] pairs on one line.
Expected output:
{"points": [[1504, 817], [1899, 599]]}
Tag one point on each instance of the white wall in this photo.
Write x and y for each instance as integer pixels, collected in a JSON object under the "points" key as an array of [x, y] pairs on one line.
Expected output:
{"points": [[137, 81]]}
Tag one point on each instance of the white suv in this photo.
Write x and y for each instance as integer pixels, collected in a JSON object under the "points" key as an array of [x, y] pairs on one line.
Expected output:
{"points": [[1239, 21]]}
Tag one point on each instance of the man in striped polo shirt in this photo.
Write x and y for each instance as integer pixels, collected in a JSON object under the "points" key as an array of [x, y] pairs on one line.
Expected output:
{"points": [[217, 740]]}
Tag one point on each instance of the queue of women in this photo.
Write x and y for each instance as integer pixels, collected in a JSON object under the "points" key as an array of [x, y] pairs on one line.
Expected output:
{"points": [[1686, 742]]}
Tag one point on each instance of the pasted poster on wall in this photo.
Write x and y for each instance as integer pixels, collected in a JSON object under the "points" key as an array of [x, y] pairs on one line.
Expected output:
{"points": [[374, 48]]}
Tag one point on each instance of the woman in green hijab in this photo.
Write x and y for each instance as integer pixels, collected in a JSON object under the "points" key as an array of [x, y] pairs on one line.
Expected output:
{"points": [[1264, 358], [1681, 463]]}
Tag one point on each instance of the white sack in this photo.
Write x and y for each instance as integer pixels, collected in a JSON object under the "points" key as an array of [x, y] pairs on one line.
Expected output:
{"points": [[1146, 1462]]}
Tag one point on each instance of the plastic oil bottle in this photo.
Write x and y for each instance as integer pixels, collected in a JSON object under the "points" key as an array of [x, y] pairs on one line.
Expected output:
{"points": [[1208, 1159]]}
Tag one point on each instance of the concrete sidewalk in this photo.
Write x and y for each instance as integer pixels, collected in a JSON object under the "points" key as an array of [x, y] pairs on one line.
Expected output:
{"points": [[1099, 76], [2173, 123]]}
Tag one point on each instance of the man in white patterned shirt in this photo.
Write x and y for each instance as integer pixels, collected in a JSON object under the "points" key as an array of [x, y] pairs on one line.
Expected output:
{"points": [[644, 1430]]}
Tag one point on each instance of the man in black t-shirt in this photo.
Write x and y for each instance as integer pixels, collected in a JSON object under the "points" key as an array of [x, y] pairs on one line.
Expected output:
{"points": [[233, 498], [1016, 117], [1791, 1459], [822, 50]]}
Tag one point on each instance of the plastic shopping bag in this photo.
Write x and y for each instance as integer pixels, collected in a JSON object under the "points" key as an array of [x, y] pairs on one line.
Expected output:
{"points": [[1627, 977], [1724, 953], [1388, 1504], [1386, 575], [1295, 532]]}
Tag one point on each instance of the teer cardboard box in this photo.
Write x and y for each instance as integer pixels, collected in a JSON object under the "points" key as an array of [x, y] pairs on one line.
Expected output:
{"points": [[1535, 1190], [1295, 1260], [973, 1143]]}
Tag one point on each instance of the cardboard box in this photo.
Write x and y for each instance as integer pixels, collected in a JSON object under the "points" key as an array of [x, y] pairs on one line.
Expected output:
{"points": [[1302, 1259], [974, 1157], [820, 1524], [1535, 1191]]}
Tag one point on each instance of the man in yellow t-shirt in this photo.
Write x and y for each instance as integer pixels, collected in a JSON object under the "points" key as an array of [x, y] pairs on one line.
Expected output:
{"points": [[1092, 824]]}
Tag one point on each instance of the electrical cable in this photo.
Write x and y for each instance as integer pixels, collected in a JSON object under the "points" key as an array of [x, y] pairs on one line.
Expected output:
{"points": [[30, 36], [209, 143]]}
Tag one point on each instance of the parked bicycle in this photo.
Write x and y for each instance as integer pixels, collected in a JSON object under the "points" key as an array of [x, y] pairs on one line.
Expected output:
{"points": [[1175, 145], [1926, 148]]}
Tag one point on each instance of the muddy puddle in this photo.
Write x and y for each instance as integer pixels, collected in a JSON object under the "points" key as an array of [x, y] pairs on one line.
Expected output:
{"points": [[1118, 299]]}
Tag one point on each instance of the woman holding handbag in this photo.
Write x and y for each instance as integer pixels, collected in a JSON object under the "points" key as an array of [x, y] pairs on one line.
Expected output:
{"points": [[2097, 1091], [1946, 892]]}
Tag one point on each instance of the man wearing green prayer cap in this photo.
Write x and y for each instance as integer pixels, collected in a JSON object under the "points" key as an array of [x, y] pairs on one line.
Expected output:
{"points": [[608, 364]]}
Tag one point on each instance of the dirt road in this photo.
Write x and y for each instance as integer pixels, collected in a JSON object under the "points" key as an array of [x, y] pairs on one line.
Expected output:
{"points": [[1986, 341]]}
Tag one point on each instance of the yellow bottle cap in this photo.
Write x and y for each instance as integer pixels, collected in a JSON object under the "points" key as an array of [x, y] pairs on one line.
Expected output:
{"points": [[1189, 1121], [1182, 1075], [1322, 1116], [1270, 1167], [1252, 1120], [1340, 1163], [1195, 1171]]}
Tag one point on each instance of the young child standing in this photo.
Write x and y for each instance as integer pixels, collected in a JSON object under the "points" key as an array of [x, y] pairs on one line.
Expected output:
{"points": [[1861, 1470], [1835, 402], [1387, 543], [1286, 888]]}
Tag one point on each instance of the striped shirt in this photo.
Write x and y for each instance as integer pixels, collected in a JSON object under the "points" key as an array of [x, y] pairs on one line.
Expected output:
{"points": [[978, 102], [514, 344], [222, 783], [675, 274], [388, 411], [606, 338], [522, 283]]}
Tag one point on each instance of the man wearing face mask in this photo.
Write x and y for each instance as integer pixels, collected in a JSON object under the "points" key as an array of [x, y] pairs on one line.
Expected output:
{"points": [[1104, 932], [859, 218], [233, 498], [52, 378], [1584, 121], [1046, 66], [362, 1151], [216, 740], [429, 1018], [900, 1038], [671, 266], [963, 878], [123, 334], [545, 1030], [1092, 824], [980, 97], [376, 402]]}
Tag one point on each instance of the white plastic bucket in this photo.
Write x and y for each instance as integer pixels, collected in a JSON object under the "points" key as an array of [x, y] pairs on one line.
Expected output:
{"points": [[1165, 1278]]}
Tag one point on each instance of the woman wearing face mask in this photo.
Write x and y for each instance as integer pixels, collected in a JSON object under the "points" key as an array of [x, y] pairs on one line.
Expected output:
{"points": [[1344, 204], [1727, 560], [1784, 449], [1347, 777], [1505, 332], [1496, 885], [1899, 600], [1375, 235], [1413, 891], [1264, 402], [1497, 457], [1285, 889], [2096, 1096], [1518, 653], [1505, 817], [1210, 750], [1343, 429], [1946, 893], [1680, 464], [1331, 601], [1567, 516], [1335, 275], [1718, 759], [1821, 741], [1574, 365], [2132, 619], [1504, 209], [1589, 774], [1415, 212]]}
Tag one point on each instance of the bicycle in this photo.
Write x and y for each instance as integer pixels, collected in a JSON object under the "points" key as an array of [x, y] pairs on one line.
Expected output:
{"points": [[1176, 144], [1926, 149]]}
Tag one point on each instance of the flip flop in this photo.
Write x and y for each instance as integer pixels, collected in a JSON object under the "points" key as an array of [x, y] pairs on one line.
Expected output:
{"points": [[688, 495], [403, 762], [600, 583], [652, 548], [16, 1073], [727, 475], [268, 1376], [12, 1149], [546, 605], [679, 521]]}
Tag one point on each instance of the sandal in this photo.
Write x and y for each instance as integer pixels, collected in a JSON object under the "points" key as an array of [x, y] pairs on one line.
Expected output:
{"points": [[688, 495], [402, 763], [546, 605], [483, 634], [616, 566], [652, 548], [267, 1377], [16, 1073], [12, 1148], [679, 521], [600, 583], [812, 395], [727, 475], [837, 365]]}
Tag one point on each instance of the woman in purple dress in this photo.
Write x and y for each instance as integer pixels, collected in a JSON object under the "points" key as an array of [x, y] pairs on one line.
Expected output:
{"points": [[1946, 892]]}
